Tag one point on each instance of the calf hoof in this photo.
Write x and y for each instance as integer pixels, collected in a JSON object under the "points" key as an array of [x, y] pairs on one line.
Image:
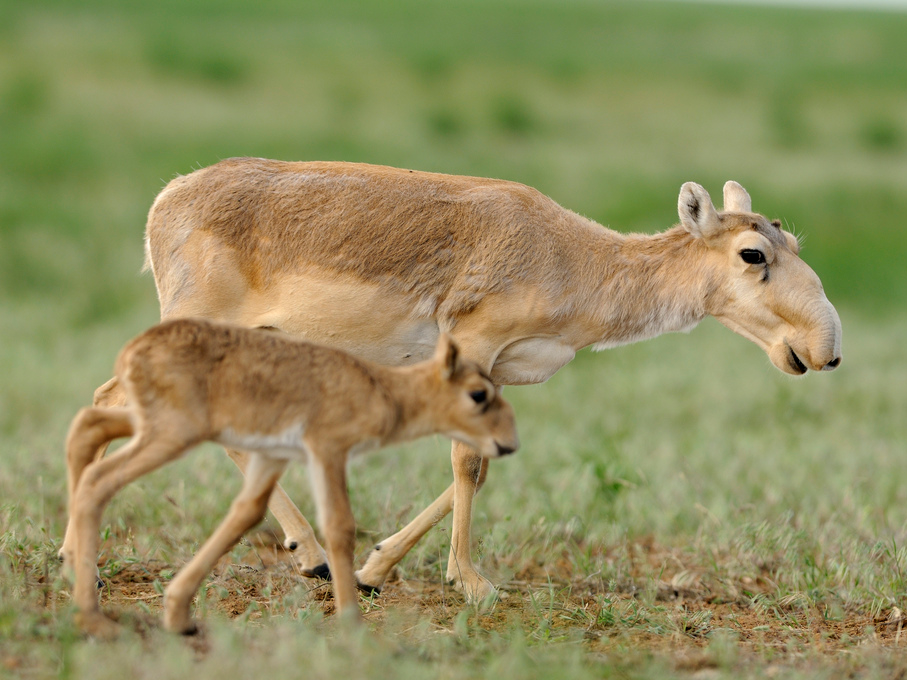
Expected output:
{"points": [[190, 630], [180, 625], [322, 571], [98, 626]]}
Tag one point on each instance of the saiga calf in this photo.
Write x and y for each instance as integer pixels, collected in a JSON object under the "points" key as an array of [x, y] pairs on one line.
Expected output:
{"points": [[277, 399]]}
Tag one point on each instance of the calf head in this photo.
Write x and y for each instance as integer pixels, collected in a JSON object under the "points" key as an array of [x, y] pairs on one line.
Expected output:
{"points": [[467, 406]]}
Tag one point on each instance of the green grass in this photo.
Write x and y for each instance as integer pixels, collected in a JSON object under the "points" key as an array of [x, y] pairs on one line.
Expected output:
{"points": [[686, 464]]}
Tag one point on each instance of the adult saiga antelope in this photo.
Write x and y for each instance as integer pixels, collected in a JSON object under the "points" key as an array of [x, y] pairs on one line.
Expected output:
{"points": [[279, 399], [380, 261]]}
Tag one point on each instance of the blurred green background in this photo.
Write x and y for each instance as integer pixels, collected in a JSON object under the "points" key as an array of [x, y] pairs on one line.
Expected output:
{"points": [[607, 107]]}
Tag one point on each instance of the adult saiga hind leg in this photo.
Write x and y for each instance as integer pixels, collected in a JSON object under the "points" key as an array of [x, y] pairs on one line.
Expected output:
{"points": [[299, 536]]}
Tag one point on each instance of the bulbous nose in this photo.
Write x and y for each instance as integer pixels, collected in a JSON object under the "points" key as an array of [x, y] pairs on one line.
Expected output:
{"points": [[832, 365]]}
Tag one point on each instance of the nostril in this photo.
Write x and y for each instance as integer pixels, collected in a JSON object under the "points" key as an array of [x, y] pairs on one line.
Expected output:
{"points": [[832, 365], [505, 450]]}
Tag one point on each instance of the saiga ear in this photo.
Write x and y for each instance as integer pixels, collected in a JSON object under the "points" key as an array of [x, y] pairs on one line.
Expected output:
{"points": [[736, 199], [447, 354], [697, 214]]}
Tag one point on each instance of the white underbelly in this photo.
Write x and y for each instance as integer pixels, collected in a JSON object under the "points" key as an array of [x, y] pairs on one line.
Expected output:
{"points": [[284, 445]]}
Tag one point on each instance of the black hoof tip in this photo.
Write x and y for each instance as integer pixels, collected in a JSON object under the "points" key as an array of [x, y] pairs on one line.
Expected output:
{"points": [[322, 571], [99, 584], [367, 589], [190, 632]]}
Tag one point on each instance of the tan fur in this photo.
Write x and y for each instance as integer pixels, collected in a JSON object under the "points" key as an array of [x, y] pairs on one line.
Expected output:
{"points": [[277, 399], [379, 261]]}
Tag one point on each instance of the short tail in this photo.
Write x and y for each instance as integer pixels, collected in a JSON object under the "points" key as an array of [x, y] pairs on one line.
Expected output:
{"points": [[93, 429]]}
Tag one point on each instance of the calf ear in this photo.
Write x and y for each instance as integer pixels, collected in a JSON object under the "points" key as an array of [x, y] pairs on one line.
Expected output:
{"points": [[447, 354], [736, 199], [697, 214]]}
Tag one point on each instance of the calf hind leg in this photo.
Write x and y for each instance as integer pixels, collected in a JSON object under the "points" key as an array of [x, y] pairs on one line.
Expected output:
{"points": [[99, 482], [91, 430], [108, 396]]}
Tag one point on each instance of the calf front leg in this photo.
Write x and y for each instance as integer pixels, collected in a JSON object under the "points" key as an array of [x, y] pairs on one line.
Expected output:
{"points": [[299, 536], [335, 516], [247, 510]]}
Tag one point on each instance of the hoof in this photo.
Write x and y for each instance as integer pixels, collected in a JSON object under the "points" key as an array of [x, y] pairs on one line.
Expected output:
{"points": [[98, 626], [322, 571], [180, 625], [190, 630], [187, 629], [99, 583], [480, 592], [368, 590]]}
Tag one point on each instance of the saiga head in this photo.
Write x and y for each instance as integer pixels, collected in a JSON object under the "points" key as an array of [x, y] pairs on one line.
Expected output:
{"points": [[469, 406], [762, 289]]}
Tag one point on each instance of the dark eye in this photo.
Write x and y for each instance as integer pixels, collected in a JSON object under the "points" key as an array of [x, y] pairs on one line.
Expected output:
{"points": [[479, 396], [752, 256]]}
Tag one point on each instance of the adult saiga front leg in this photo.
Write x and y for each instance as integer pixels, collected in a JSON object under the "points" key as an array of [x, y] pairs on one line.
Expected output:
{"points": [[470, 470]]}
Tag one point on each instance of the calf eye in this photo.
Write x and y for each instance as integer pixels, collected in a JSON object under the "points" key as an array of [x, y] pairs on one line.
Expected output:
{"points": [[752, 256], [479, 396]]}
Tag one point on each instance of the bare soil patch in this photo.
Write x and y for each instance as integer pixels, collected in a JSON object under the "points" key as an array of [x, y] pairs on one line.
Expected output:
{"points": [[683, 614]]}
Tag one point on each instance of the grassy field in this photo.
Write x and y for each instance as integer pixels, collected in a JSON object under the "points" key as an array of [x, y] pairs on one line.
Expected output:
{"points": [[678, 509]]}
